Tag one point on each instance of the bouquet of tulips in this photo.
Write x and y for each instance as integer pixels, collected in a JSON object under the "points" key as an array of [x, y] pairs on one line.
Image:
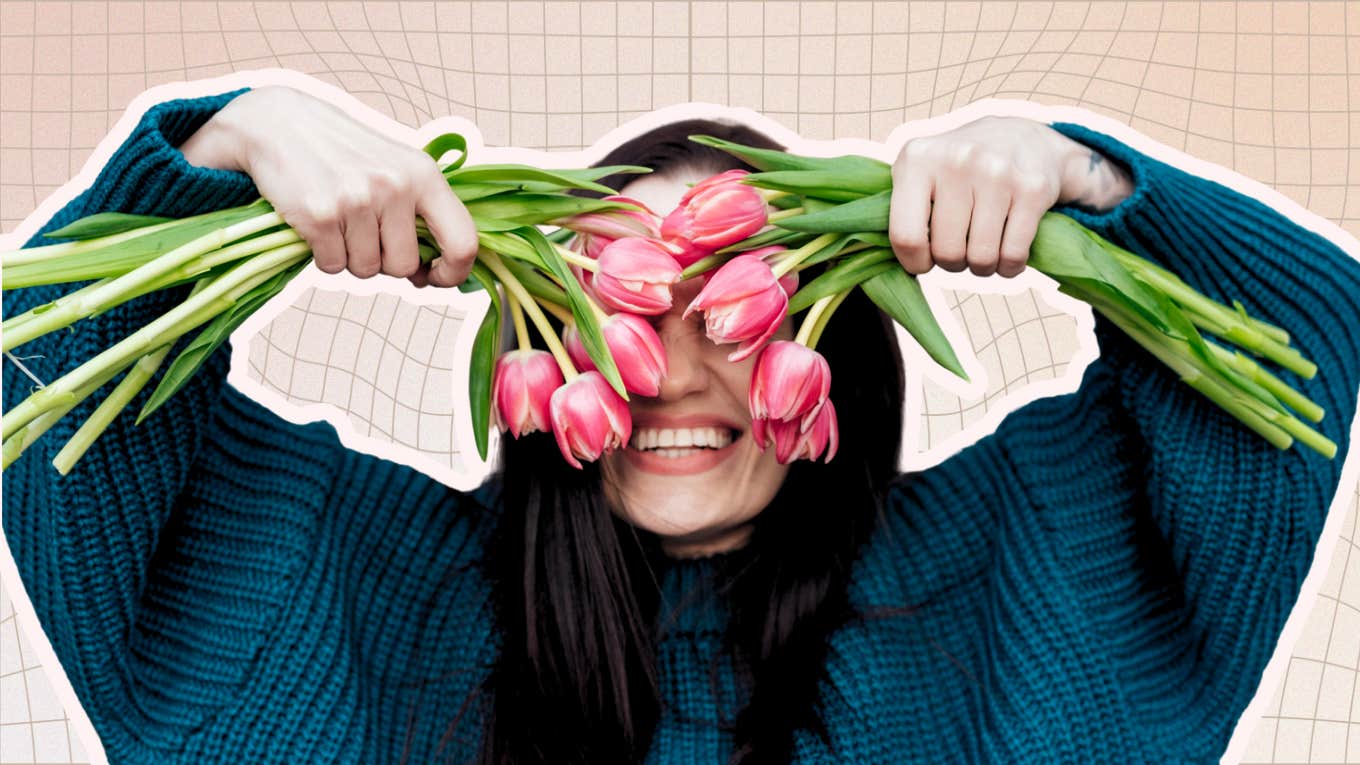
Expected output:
{"points": [[584, 272]]}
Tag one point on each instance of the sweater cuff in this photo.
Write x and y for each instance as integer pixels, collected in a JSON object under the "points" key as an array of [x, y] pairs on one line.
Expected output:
{"points": [[149, 175], [1131, 213]]}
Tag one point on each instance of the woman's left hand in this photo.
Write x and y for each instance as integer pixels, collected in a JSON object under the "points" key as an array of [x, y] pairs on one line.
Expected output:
{"points": [[972, 197]]}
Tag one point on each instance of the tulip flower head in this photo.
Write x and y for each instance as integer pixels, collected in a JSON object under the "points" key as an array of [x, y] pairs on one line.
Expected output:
{"points": [[589, 418], [793, 442], [790, 382], [636, 348], [522, 385], [596, 230], [742, 303], [635, 275], [718, 212]]}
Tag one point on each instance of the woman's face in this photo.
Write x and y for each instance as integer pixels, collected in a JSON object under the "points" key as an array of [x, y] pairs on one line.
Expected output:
{"points": [[698, 500]]}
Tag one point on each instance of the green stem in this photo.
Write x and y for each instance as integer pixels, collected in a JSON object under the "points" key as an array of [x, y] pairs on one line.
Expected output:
{"points": [[1277, 387], [109, 408], [517, 316], [16, 444], [214, 299], [1188, 297], [133, 283], [48, 252], [782, 214], [545, 329], [562, 313], [825, 318], [790, 261], [581, 261], [1277, 427], [809, 324], [703, 264]]}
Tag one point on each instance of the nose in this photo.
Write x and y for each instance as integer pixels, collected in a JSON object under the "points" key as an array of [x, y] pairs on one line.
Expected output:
{"points": [[687, 369]]}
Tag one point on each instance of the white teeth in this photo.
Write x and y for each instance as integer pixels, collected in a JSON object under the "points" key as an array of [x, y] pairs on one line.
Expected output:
{"points": [[677, 441]]}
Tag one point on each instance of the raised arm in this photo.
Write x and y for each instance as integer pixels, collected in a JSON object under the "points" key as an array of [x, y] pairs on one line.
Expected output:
{"points": [[1186, 536], [158, 566]]}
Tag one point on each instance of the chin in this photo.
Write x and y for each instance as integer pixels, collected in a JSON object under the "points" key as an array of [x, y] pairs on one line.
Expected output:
{"points": [[698, 509]]}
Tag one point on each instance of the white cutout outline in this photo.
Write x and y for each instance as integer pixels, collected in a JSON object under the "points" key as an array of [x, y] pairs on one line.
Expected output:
{"points": [[473, 304]]}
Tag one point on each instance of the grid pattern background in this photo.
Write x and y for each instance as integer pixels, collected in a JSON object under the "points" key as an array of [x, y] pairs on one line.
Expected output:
{"points": [[1269, 90]]}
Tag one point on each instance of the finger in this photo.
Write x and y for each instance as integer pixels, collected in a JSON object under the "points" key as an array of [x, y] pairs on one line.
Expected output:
{"points": [[398, 235], [908, 218], [1021, 225], [361, 240], [421, 278], [949, 225], [328, 247], [984, 232], [453, 230]]}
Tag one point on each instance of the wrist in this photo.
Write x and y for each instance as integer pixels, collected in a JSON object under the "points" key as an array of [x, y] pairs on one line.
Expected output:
{"points": [[1089, 178], [223, 142]]}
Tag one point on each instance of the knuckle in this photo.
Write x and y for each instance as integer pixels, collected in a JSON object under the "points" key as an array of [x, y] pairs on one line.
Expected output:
{"points": [[1033, 186], [320, 212], [354, 197], [994, 167], [949, 255], [906, 241], [1013, 255], [961, 155]]}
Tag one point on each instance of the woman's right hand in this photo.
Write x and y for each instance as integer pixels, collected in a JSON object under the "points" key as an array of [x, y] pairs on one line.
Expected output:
{"points": [[351, 192]]}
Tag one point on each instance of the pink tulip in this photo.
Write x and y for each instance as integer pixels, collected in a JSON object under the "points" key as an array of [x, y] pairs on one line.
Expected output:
{"points": [[714, 214], [636, 275], [742, 303], [790, 382], [521, 386], [792, 442], [636, 348], [788, 281], [589, 418], [596, 230]]}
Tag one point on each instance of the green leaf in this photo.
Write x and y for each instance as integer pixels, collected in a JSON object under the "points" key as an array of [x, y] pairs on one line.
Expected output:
{"points": [[874, 238], [482, 366], [828, 252], [217, 331], [446, 143], [898, 294], [118, 258], [866, 214], [587, 326], [770, 159], [853, 270], [469, 192], [1070, 253], [535, 209], [766, 238], [510, 246], [103, 224], [833, 185], [523, 173], [535, 282]]}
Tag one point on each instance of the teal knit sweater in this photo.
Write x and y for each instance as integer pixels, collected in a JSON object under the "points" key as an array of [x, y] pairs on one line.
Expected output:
{"points": [[1103, 579]]}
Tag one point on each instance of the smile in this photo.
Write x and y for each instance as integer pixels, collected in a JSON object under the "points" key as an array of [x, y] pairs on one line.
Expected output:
{"points": [[680, 451]]}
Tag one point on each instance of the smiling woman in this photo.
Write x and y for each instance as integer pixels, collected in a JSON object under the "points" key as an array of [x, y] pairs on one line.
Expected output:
{"points": [[1103, 578]]}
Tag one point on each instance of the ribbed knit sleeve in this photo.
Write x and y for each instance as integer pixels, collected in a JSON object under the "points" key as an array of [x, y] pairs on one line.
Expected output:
{"points": [[1183, 536], [151, 603]]}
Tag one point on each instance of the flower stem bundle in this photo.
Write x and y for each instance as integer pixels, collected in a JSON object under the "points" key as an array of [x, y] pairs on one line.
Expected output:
{"points": [[797, 236], [843, 222]]}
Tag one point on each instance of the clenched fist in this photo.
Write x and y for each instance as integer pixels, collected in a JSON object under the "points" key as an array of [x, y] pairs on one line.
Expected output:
{"points": [[351, 192]]}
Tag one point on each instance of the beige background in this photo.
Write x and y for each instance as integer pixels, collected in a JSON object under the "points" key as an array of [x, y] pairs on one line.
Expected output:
{"points": [[1269, 90]]}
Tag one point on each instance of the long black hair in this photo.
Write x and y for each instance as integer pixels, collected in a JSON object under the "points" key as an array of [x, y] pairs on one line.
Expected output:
{"points": [[575, 588]]}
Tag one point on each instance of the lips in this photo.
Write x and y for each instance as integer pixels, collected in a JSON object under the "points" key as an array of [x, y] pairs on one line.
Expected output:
{"points": [[699, 460]]}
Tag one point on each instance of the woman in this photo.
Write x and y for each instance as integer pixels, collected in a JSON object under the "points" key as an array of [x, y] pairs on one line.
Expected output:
{"points": [[1102, 578]]}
